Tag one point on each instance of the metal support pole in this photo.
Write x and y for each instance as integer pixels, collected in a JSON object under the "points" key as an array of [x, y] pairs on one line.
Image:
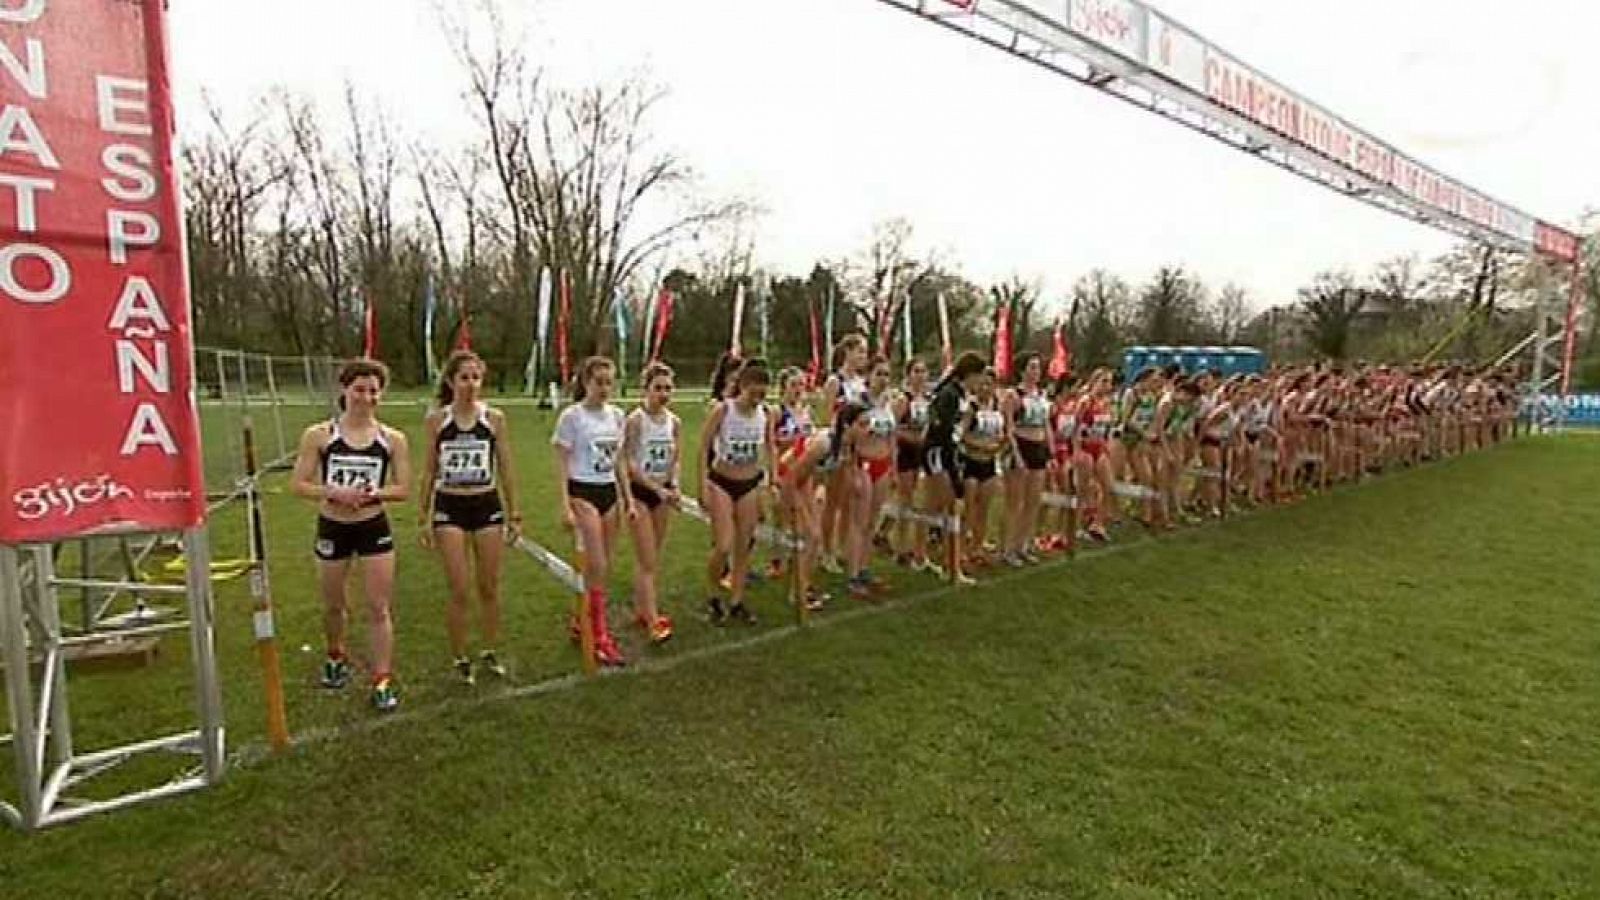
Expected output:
{"points": [[202, 641], [55, 673], [222, 377], [277, 410], [1536, 386], [244, 380], [311, 391], [19, 687]]}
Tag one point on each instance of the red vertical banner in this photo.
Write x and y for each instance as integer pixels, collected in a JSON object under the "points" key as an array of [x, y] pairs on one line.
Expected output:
{"points": [[1060, 356], [563, 321], [664, 304], [1573, 305], [92, 273], [1002, 342], [816, 346]]}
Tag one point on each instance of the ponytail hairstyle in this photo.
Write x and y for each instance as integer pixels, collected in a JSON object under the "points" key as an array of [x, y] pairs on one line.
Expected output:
{"points": [[652, 372], [361, 367], [453, 366], [592, 365], [752, 373], [966, 365], [846, 417], [727, 365], [788, 375], [846, 344]]}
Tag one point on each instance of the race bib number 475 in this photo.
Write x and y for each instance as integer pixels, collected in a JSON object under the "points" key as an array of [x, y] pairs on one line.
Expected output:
{"points": [[360, 472]]}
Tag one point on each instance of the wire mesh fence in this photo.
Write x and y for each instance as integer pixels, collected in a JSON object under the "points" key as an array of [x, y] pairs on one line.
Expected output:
{"points": [[278, 395]]}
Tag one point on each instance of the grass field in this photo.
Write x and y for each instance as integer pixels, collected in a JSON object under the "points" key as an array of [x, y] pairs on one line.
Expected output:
{"points": [[1390, 691]]}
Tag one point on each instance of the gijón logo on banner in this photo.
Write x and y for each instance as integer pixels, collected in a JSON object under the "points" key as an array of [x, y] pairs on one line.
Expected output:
{"points": [[97, 418]]}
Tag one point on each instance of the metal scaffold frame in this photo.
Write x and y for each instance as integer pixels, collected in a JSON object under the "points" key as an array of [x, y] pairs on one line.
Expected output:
{"points": [[1036, 31], [33, 646]]}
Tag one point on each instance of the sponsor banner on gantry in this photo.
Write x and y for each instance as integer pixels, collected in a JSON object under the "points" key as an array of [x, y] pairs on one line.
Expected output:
{"points": [[97, 418]]}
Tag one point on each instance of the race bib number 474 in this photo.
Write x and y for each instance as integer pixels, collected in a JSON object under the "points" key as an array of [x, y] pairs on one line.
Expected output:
{"points": [[464, 461]]}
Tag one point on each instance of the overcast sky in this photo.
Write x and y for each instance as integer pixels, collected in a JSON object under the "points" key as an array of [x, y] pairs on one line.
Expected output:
{"points": [[834, 114]]}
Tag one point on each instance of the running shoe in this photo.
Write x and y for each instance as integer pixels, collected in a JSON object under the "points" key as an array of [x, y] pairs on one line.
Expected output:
{"points": [[463, 667], [384, 698], [815, 601], [488, 662], [726, 581], [858, 589], [962, 579], [715, 611], [607, 654], [335, 673], [932, 568], [660, 630], [1014, 560], [831, 565], [905, 561], [1098, 532], [738, 612]]}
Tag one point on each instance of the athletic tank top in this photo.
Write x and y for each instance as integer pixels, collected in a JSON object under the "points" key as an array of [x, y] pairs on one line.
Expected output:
{"points": [[1144, 413], [1034, 411], [466, 455], [852, 389], [880, 419], [1094, 422], [593, 436], [1067, 424], [653, 452], [363, 468], [794, 423], [917, 412], [1179, 418], [988, 424], [739, 439]]}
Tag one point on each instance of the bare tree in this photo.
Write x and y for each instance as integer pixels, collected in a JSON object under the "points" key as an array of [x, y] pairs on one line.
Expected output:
{"points": [[1330, 306]]}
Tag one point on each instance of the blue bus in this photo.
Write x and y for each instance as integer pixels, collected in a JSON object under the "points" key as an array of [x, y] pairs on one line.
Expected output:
{"points": [[1227, 360]]}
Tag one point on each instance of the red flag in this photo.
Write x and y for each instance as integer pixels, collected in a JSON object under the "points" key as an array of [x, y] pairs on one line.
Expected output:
{"points": [[370, 345], [1060, 356], [816, 346], [664, 304], [561, 328], [1002, 342]]}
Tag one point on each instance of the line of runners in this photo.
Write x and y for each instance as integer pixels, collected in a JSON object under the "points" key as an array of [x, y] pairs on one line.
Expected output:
{"points": [[946, 476]]}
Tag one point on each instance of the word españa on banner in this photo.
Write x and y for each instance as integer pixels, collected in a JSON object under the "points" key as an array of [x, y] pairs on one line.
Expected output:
{"points": [[94, 320]]}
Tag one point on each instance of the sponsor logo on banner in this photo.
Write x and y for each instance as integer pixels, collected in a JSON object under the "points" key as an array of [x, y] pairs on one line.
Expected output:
{"points": [[92, 270], [1117, 25], [1562, 245], [1177, 54]]}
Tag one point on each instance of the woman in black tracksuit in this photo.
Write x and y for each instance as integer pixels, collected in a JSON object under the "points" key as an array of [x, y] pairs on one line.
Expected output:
{"points": [[939, 460]]}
